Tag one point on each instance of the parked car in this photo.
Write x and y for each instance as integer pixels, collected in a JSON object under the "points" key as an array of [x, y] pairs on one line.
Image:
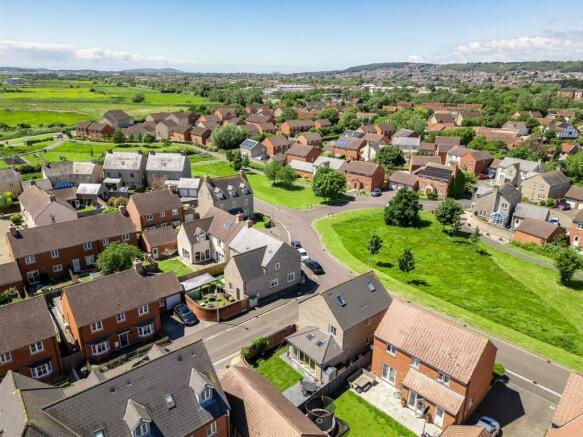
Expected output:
{"points": [[490, 425], [185, 315], [303, 254], [296, 244], [554, 221], [314, 266], [376, 192], [563, 205]]}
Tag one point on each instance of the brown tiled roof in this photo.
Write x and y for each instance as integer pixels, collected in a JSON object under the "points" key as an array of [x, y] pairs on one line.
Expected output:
{"points": [[403, 177], [300, 150], [68, 234], [154, 201], [420, 160], [25, 322], [464, 431], [300, 123], [434, 391], [447, 141], [277, 141], [571, 403], [311, 136], [434, 340], [575, 193], [361, 168], [200, 131], [9, 273], [124, 291], [219, 225], [159, 236], [536, 228], [570, 429], [259, 410]]}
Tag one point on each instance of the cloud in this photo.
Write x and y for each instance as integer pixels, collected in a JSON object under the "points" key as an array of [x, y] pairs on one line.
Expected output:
{"points": [[415, 58]]}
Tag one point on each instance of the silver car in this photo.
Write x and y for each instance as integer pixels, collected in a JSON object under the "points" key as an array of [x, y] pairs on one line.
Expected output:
{"points": [[490, 425]]}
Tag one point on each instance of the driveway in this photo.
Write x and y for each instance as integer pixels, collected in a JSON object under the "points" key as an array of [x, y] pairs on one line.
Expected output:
{"points": [[4, 226], [172, 328]]}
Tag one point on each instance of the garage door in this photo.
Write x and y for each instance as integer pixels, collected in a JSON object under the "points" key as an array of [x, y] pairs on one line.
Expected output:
{"points": [[172, 301]]}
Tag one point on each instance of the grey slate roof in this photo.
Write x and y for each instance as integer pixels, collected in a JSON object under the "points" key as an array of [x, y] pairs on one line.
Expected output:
{"points": [[222, 184], [364, 296], [555, 177], [250, 239], [159, 236], [166, 162], [510, 193], [216, 222], [526, 210], [123, 161], [320, 346], [523, 164], [537, 228]]}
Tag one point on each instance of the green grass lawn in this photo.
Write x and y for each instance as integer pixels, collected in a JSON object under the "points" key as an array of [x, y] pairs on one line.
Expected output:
{"points": [[297, 196], [365, 420], [212, 168], [174, 265], [492, 290], [277, 371]]}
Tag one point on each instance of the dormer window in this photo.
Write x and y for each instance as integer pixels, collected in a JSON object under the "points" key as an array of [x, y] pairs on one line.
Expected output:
{"points": [[169, 401], [206, 394], [143, 429]]}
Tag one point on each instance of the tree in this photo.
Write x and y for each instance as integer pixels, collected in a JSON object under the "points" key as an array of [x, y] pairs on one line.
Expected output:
{"points": [[374, 246], [573, 166], [228, 137], [403, 209], [407, 261], [449, 213], [235, 159], [328, 183], [272, 170], [475, 236], [117, 257], [287, 114], [148, 138], [390, 157], [16, 219], [6, 201], [567, 262], [138, 98], [287, 175], [118, 137], [329, 113]]}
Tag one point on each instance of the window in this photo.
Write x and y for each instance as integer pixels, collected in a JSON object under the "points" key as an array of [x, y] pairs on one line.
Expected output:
{"points": [[100, 348], [144, 331], [5, 358], [42, 370], [291, 276], [87, 246], [274, 283], [125, 237], [162, 213], [206, 394], [96, 326], [169, 401], [580, 226], [29, 259], [142, 429], [161, 303], [391, 350], [277, 266], [98, 433], [415, 362], [174, 212], [443, 378], [503, 205], [105, 241], [37, 347], [57, 268], [331, 329], [149, 217], [120, 317], [212, 429], [90, 260], [55, 253], [143, 310]]}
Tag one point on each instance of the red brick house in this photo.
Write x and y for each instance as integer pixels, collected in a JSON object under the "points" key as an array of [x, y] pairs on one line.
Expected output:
{"points": [[433, 362], [348, 147], [117, 311], [435, 178], [568, 418], [10, 277], [99, 130], [470, 160], [154, 209], [292, 127], [160, 242], [28, 342], [310, 139], [266, 128], [260, 119], [200, 135], [322, 123], [224, 114], [362, 175], [301, 152], [537, 231], [180, 133], [386, 130], [48, 252], [275, 144]]}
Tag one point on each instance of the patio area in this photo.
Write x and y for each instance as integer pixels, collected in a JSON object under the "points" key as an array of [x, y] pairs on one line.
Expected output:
{"points": [[295, 394], [383, 397]]}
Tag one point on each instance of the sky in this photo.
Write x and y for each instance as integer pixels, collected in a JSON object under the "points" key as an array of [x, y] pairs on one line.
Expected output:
{"points": [[281, 35]]}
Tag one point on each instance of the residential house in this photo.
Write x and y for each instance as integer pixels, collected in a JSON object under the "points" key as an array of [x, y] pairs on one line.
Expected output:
{"points": [[301, 152], [536, 231], [519, 127], [171, 393], [156, 117], [200, 135], [574, 197], [159, 242], [385, 130], [507, 136], [527, 210], [362, 175], [137, 131], [48, 252], [308, 169], [162, 167], [550, 185], [409, 145], [68, 172], [402, 179], [567, 149], [10, 181], [367, 129], [10, 277], [80, 129], [337, 325], [89, 193], [566, 131], [576, 230], [293, 127], [439, 127], [229, 193], [41, 208], [259, 119], [567, 420], [496, 204], [99, 130], [117, 119], [348, 147], [370, 151], [427, 148], [256, 108], [322, 123], [186, 188], [266, 128], [571, 93], [124, 169], [28, 342], [154, 209], [310, 139], [253, 149], [275, 144], [164, 128], [515, 171], [419, 161], [468, 116], [180, 133], [435, 178], [207, 239], [260, 266], [224, 114], [470, 160], [352, 134], [532, 114], [208, 118], [434, 363], [258, 408], [442, 118], [185, 118]]}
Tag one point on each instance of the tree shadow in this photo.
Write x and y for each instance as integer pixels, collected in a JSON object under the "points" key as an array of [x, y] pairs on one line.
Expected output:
{"points": [[420, 224], [340, 201], [482, 252], [384, 264], [575, 284], [288, 187], [418, 282], [463, 242]]}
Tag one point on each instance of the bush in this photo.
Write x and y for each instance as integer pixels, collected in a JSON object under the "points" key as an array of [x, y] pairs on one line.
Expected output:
{"points": [[550, 202], [498, 372], [268, 223], [16, 219], [245, 352], [432, 196], [259, 345]]}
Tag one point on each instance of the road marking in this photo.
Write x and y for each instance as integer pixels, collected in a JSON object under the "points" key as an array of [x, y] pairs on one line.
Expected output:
{"points": [[226, 358], [533, 383]]}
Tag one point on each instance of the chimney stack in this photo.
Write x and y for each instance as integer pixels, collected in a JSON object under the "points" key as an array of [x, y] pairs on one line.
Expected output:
{"points": [[14, 232], [122, 210], [139, 267], [52, 197], [249, 223], [239, 217]]}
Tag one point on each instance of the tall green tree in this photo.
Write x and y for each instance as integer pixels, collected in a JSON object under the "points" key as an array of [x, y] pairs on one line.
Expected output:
{"points": [[228, 137], [475, 236], [449, 213], [118, 137], [403, 209], [6, 201], [272, 170], [329, 113], [567, 262], [390, 157], [407, 261], [328, 183], [374, 246], [287, 175], [118, 257], [287, 114]]}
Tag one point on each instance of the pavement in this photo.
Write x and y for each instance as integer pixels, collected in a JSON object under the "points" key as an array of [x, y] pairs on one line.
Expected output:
{"points": [[4, 227]]}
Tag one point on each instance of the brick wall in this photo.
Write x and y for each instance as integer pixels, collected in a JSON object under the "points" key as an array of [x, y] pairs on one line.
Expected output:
{"points": [[22, 357]]}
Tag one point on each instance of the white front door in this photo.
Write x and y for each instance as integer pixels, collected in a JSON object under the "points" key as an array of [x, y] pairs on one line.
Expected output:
{"points": [[389, 374], [439, 413], [155, 252], [76, 265], [123, 340]]}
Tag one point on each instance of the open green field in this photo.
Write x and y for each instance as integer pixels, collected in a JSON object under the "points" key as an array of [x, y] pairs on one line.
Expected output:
{"points": [[298, 196], [212, 168], [69, 102], [492, 290]]}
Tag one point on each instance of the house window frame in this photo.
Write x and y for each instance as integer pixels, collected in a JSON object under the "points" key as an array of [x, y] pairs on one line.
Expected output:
{"points": [[162, 214], [54, 253], [142, 429], [291, 277], [96, 349], [36, 347], [105, 241], [331, 329], [206, 394], [29, 260], [120, 317], [149, 217], [391, 349], [90, 260], [146, 330], [415, 363], [96, 326], [125, 237], [57, 268], [274, 283], [87, 246], [277, 266], [143, 310], [5, 357], [443, 378], [41, 371], [174, 212], [212, 429]]}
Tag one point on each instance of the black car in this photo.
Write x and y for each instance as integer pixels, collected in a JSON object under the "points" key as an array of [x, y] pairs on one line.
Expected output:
{"points": [[185, 315], [314, 266]]}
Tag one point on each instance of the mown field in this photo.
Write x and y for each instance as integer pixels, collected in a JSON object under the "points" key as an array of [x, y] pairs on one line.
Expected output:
{"points": [[492, 290]]}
